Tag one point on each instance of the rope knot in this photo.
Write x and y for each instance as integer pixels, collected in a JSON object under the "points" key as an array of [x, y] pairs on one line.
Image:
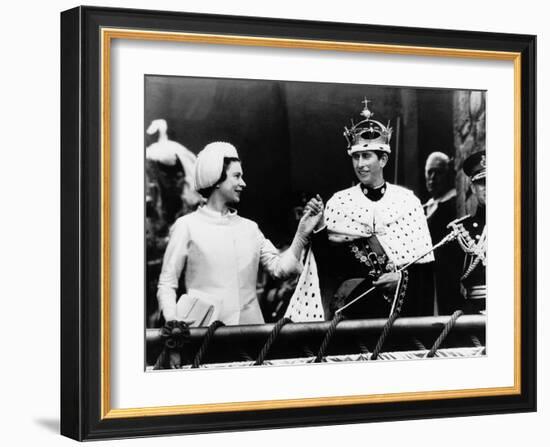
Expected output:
{"points": [[175, 334]]}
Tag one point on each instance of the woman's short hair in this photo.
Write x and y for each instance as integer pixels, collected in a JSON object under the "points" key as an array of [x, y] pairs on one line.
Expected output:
{"points": [[207, 192]]}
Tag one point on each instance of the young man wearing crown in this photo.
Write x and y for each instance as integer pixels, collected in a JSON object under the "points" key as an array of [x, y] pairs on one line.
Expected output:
{"points": [[373, 238], [474, 239]]}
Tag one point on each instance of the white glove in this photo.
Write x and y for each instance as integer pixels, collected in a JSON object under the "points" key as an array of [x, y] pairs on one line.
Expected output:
{"points": [[311, 219]]}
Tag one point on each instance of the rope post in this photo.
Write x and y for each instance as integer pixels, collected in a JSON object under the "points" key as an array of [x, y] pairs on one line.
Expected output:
{"points": [[384, 335], [399, 299], [448, 327], [328, 336], [271, 339], [206, 342]]}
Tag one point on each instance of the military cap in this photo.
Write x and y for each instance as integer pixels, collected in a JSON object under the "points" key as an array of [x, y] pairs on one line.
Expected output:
{"points": [[475, 165]]}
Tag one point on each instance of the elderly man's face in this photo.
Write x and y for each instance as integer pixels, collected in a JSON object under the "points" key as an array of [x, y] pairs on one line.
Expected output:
{"points": [[437, 177]]}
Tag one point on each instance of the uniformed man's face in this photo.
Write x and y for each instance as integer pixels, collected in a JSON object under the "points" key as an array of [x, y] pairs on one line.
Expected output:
{"points": [[478, 188], [437, 177], [230, 189], [369, 169]]}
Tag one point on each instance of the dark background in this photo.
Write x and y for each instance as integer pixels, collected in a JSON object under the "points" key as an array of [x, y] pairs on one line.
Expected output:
{"points": [[290, 134]]}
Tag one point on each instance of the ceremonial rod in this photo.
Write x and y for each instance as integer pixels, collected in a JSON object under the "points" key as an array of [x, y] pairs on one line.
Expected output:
{"points": [[451, 236]]}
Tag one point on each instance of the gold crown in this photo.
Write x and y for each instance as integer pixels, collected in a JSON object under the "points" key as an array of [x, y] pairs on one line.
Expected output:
{"points": [[369, 134]]}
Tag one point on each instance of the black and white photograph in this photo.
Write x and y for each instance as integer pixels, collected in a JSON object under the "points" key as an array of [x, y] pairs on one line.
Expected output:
{"points": [[296, 222]]}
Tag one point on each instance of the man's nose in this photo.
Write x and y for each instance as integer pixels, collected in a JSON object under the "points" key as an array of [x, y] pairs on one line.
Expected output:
{"points": [[242, 182]]}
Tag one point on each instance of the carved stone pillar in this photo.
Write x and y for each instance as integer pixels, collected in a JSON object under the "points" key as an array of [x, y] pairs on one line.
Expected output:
{"points": [[469, 137]]}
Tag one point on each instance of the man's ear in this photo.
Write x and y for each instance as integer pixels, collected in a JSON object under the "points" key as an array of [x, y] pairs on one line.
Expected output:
{"points": [[383, 159], [470, 191]]}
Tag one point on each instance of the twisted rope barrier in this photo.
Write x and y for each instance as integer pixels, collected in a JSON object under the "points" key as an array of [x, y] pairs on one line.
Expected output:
{"points": [[385, 332], [206, 343], [271, 339], [309, 340], [448, 327], [328, 336]]}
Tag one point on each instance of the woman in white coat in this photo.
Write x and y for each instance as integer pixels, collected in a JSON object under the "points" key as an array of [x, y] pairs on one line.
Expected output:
{"points": [[218, 251]]}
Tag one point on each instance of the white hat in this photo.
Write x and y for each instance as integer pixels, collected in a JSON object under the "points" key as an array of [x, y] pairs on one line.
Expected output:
{"points": [[209, 167]]}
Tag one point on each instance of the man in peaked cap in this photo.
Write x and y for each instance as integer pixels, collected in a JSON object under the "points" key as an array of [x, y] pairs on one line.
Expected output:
{"points": [[474, 242]]}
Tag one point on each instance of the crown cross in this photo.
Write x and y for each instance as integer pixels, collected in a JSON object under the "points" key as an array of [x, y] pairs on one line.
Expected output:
{"points": [[366, 112]]}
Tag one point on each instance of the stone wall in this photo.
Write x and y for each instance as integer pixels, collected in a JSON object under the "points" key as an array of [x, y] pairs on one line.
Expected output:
{"points": [[469, 137]]}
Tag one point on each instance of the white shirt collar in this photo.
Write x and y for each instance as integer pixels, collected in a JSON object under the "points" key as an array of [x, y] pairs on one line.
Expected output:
{"points": [[431, 205], [444, 198]]}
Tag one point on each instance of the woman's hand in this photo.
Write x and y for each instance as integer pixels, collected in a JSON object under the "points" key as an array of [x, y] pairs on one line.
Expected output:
{"points": [[312, 218]]}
